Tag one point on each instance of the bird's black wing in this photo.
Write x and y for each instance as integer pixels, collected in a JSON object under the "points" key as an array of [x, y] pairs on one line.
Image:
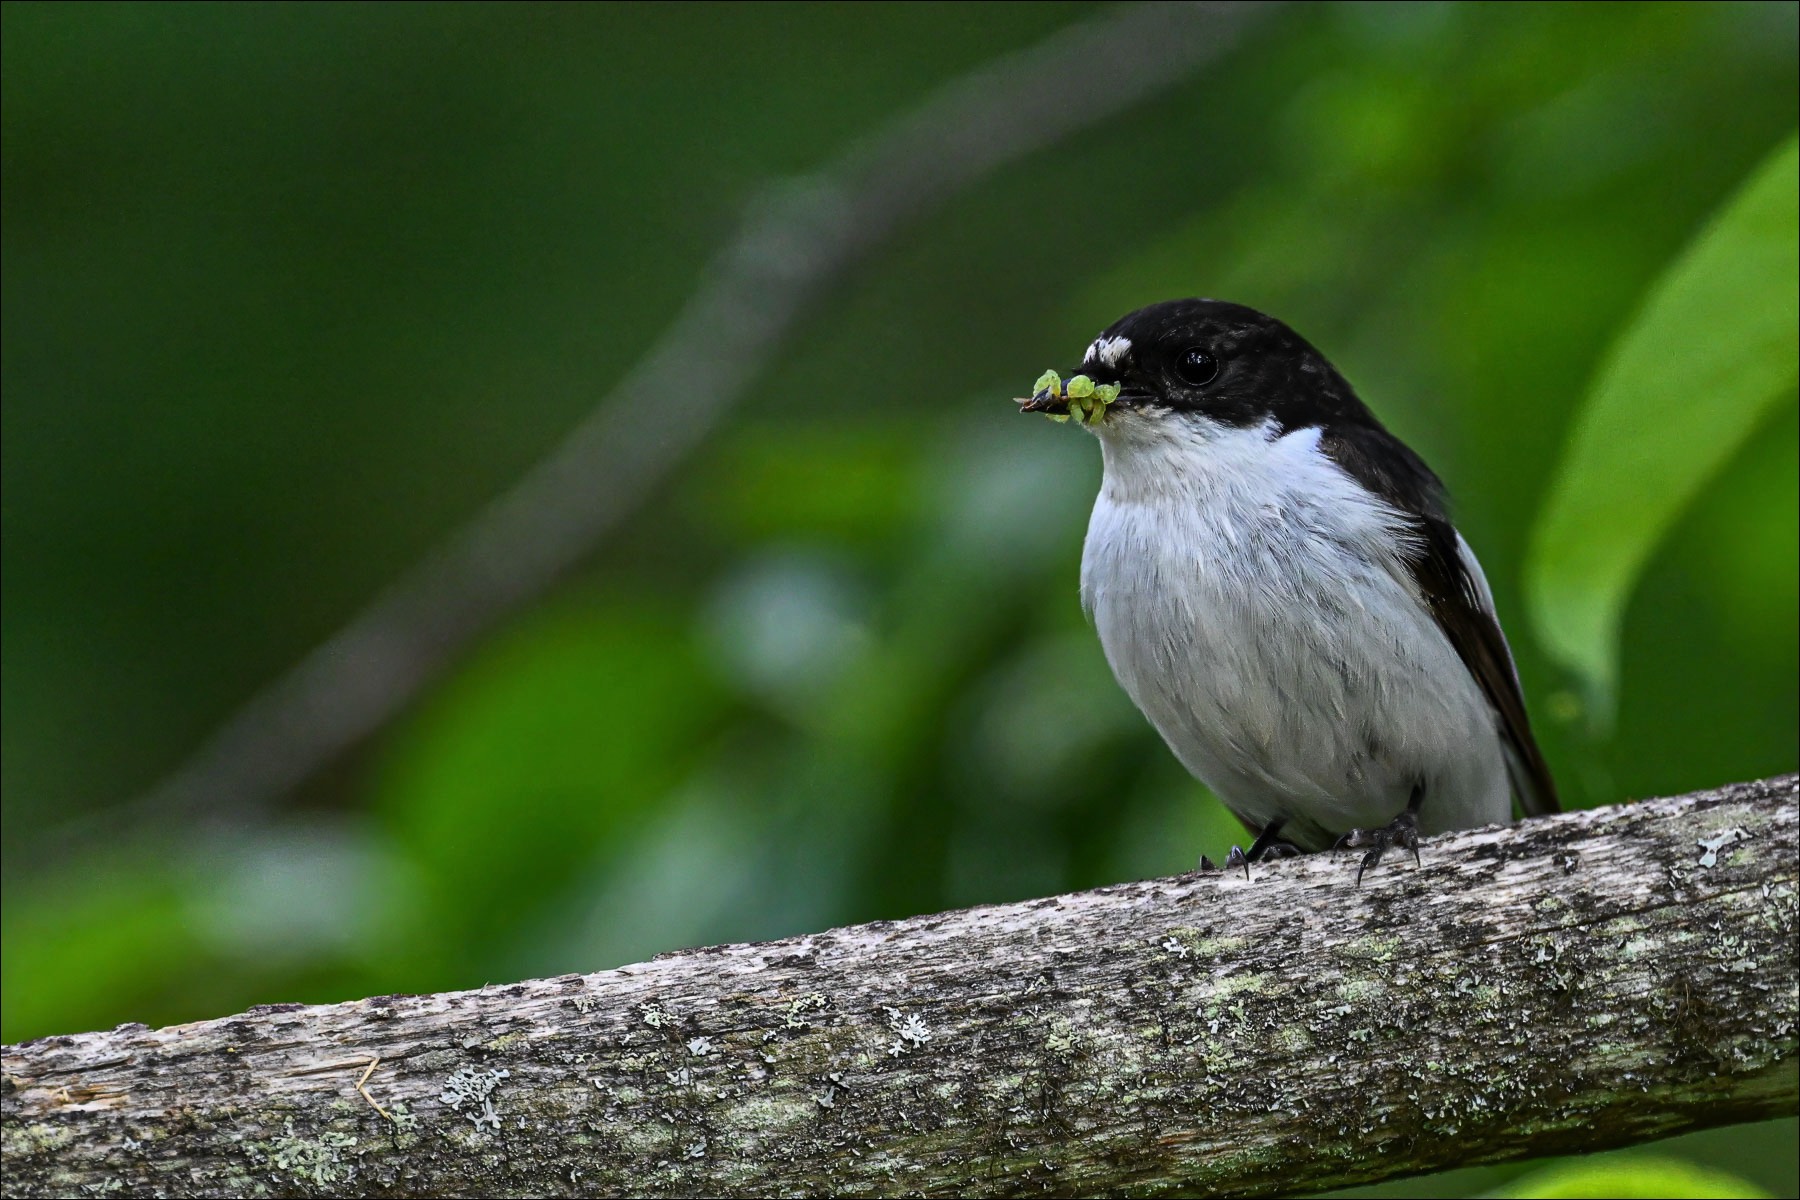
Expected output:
{"points": [[1454, 592]]}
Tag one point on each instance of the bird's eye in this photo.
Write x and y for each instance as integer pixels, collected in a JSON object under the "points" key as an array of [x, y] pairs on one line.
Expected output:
{"points": [[1196, 367]]}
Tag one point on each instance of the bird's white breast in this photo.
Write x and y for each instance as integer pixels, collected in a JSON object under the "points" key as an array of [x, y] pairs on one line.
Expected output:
{"points": [[1251, 599]]}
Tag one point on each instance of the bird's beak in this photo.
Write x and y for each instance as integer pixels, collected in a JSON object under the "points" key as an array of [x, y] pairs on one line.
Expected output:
{"points": [[1050, 396], [1080, 398], [1045, 400]]}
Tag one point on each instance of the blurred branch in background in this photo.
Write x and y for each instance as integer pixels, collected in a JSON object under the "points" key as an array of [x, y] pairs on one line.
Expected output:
{"points": [[1550, 987], [799, 237]]}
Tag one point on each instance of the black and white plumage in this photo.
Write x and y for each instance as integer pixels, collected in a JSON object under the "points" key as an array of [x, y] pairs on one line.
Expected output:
{"points": [[1278, 587]]}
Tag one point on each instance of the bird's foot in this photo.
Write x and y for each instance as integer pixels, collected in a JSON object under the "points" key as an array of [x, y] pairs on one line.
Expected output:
{"points": [[1402, 831], [1267, 846], [1242, 858]]}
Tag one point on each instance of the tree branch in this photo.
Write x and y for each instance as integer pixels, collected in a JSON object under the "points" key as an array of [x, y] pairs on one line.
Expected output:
{"points": [[798, 237], [1573, 983]]}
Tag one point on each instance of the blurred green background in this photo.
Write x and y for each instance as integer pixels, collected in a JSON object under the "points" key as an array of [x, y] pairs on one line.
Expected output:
{"points": [[290, 291]]}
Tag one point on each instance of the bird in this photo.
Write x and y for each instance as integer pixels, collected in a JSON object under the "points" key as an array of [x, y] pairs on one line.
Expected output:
{"points": [[1278, 586]]}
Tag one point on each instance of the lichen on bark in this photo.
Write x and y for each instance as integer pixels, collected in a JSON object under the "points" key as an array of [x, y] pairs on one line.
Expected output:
{"points": [[1571, 983]]}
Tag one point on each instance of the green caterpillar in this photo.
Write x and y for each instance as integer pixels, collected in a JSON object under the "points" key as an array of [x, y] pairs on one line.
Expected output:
{"points": [[1086, 399]]}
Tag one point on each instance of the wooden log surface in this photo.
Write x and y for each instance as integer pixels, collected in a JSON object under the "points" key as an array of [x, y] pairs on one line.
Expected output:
{"points": [[1573, 983]]}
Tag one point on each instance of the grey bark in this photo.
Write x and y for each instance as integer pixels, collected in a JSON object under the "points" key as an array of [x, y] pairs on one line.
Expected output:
{"points": [[1573, 983]]}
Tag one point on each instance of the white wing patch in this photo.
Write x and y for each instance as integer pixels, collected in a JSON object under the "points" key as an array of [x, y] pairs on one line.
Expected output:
{"points": [[1484, 595], [1108, 351]]}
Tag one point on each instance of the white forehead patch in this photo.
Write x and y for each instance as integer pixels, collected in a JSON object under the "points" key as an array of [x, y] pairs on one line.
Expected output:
{"points": [[1108, 350]]}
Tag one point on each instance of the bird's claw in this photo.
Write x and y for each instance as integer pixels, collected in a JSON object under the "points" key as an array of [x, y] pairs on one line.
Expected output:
{"points": [[1402, 831], [1260, 851]]}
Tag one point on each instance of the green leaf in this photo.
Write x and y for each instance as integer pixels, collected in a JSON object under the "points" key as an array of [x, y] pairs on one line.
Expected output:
{"points": [[111, 944], [543, 756], [1632, 1179], [1709, 356]]}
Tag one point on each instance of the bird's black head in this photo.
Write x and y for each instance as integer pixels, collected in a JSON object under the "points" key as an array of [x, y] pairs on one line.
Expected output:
{"points": [[1224, 361]]}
